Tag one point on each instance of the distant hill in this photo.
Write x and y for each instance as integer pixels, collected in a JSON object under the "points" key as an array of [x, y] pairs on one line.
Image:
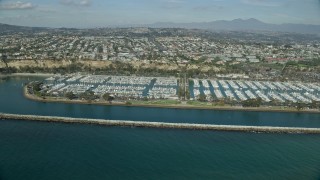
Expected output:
{"points": [[6, 28], [221, 25], [243, 25]]}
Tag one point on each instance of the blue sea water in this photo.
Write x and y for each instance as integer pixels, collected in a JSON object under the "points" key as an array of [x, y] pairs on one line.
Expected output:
{"points": [[38, 150]]}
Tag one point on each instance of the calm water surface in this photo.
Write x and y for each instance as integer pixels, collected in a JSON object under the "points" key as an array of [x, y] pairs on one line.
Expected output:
{"points": [[36, 150]]}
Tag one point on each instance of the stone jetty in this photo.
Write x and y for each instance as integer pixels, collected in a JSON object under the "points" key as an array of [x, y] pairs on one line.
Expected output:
{"points": [[123, 123]]}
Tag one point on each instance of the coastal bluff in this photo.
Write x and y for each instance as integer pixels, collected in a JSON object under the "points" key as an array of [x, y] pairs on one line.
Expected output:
{"points": [[163, 125]]}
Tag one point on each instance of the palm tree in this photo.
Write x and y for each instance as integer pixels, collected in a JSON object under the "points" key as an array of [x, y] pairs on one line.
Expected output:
{"points": [[4, 59]]}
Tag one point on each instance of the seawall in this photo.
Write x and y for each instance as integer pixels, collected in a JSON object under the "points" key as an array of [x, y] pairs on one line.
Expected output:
{"points": [[264, 129]]}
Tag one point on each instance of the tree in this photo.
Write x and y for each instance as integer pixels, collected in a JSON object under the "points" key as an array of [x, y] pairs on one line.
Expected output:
{"points": [[70, 95], [216, 59], [180, 92], [107, 97], [36, 86], [88, 95], [4, 59], [202, 97], [128, 103], [299, 106], [252, 102], [187, 94], [314, 105], [203, 58]]}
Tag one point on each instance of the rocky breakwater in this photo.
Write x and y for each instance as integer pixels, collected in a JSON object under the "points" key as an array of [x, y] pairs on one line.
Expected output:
{"points": [[264, 129]]}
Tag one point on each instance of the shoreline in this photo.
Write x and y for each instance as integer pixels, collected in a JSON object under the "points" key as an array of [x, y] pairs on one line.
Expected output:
{"points": [[162, 125], [27, 74], [180, 106]]}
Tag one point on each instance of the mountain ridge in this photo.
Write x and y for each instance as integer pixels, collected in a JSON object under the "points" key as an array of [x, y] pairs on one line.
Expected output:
{"points": [[239, 24], [244, 25]]}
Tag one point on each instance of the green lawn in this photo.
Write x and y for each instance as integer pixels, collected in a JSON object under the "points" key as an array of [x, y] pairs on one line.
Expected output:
{"points": [[198, 103], [157, 102]]}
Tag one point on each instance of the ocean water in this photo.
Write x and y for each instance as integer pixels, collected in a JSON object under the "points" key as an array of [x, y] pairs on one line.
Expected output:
{"points": [[33, 150], [39, 150]]}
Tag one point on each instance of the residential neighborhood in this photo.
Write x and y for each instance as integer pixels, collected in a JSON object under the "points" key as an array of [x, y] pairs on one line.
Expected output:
{"points": [[165, 45]]}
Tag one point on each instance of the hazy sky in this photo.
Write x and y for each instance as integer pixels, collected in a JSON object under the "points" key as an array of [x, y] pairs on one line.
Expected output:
{"points": [[100, 13]]}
